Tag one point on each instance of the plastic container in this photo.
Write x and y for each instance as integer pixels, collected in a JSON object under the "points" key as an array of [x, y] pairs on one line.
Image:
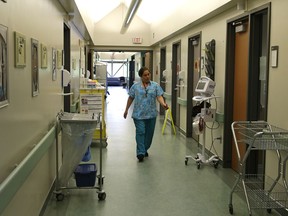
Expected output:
{"points": [[85, 175]]}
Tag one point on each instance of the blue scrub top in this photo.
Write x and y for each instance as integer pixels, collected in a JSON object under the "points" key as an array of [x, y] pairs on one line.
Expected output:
{"points": [[145, 100]]}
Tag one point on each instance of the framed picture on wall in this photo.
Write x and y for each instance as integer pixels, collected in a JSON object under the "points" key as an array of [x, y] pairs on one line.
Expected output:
{"points": [[3, 66], [34, 67], [20, 50], [44, 57], [54, 64]]}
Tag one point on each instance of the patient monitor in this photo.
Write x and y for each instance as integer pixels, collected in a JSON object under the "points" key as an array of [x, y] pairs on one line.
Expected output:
{"points": [[205, 86]]}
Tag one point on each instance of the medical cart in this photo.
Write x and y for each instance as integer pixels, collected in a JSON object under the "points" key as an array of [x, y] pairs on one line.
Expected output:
{"points": [[77, 132], [260, 191], [205, 87]]}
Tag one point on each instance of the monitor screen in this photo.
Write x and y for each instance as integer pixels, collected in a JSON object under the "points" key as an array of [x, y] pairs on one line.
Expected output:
{"points": [[205, 86], [201, 85]]}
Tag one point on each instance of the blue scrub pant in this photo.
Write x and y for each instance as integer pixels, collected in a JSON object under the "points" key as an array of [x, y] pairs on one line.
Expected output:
{"points": [[144, 134]]}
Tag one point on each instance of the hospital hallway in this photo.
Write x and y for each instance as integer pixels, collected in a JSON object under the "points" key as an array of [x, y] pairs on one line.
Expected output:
{"points": [[161, 185]]}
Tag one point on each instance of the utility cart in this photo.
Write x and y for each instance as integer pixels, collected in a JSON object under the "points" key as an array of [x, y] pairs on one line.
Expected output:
{"points": [[260, 191], [77, 133]]}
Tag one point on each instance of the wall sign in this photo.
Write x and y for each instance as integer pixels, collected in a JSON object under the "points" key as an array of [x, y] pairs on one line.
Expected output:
{"points": [[274, 56], [44, 57], [20, 50]]}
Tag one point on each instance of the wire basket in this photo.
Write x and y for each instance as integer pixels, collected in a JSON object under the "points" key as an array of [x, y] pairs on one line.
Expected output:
{"points": [[263, 192], [260, 135]]}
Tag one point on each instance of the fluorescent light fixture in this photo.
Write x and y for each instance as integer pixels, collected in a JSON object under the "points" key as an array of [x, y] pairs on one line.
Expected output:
{"points": [[130, 14]]}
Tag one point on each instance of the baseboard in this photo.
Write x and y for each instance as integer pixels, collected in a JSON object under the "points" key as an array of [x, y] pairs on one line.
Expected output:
{"points": [[47, 200]]}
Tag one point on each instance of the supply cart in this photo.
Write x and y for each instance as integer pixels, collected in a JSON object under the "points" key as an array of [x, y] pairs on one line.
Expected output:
{"points": [[260, 191], [92, 100], [77, 132]]}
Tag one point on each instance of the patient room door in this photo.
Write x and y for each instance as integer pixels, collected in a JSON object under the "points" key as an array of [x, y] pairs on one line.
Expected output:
{"points": [[240, 84]]}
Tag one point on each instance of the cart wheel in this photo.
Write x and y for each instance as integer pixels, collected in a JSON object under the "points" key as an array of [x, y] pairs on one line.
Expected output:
{"points": [[198, 165], [102, 196], [231, 209], [59, 196], [269, 211], [186, 161]]}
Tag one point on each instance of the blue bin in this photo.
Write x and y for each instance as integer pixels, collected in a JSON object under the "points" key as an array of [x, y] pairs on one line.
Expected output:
{"points": [[85, 175]]}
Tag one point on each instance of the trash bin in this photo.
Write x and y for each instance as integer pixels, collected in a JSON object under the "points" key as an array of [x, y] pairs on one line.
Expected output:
{"points": [[77, 133]]}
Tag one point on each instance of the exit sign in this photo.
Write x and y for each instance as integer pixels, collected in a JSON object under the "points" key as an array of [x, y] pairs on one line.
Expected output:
{"points": [[137, 40]]}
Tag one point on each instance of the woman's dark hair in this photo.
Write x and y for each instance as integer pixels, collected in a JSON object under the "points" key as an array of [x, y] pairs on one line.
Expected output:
{"points": [[141, 71]]}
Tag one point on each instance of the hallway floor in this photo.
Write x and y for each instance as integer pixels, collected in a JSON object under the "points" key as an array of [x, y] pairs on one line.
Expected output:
{"points": [[161, 185]]}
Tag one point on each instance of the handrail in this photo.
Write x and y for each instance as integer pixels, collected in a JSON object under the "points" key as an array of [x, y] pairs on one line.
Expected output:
{"points": [[18, 176]]}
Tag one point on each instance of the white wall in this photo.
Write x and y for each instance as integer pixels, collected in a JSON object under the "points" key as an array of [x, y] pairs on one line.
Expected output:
{"points": [[183, 16], [26, 119]]}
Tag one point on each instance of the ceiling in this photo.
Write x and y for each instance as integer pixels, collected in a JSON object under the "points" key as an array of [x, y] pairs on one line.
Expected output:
{"points": [[149, 10]]}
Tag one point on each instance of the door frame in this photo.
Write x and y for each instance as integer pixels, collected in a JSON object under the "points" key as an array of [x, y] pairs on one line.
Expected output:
{"points": [[254, 61], [174, 88], [162, 68], [190, 81], [67, 63], [229, 77]]}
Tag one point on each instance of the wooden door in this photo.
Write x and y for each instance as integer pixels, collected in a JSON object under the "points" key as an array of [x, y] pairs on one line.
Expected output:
{"points": [[240, 86]]}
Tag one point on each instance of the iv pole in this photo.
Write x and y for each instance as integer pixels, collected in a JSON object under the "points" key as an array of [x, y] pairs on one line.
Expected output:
{"points": [[200, 158], [205, 87]]}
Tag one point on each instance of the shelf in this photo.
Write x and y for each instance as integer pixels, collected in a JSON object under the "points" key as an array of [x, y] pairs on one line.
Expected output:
{"points": [[261, 194]]}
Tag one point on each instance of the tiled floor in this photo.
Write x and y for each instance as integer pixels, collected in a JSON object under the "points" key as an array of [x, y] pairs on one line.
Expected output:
{"points": [[161, 185]]}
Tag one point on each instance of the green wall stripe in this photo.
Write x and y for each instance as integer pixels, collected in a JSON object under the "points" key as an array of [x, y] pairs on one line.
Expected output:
{"points": [[18, 176], [182, 101], [167, 96]]}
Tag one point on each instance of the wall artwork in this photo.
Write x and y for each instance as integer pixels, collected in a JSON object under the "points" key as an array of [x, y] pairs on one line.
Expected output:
{"points": [[34, 67], [210, 59], [20, 50], [44, 57], [54, 64], [3, 66]]}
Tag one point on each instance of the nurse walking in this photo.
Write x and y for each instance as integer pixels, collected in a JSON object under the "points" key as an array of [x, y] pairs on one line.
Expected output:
{"points": [[144, 94]]}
